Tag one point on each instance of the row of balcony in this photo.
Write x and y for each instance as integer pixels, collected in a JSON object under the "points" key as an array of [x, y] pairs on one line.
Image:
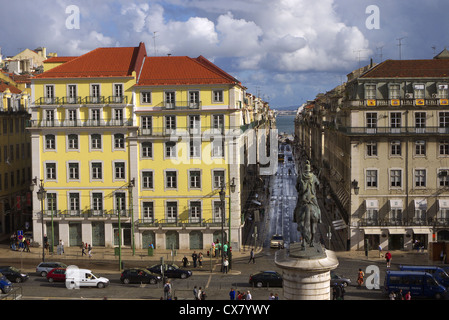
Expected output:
{"points": [[390, 130], [81, 100], [398, 102], [390, 222], [191, 222], [79, 123]]}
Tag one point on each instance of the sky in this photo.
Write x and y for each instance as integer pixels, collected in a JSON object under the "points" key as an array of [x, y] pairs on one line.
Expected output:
{"points": [[285, 51]]}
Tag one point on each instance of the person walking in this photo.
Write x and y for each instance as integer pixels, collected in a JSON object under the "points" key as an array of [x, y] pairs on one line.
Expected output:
{"points": [[408, 296], [167, 290], [83, 252], [225, 249], [335, 291], [251, 256], [185, 261], [360, 276], [62, 246], [388, 259], [200, 293], [232, 294], [380, 251], [200, 259], [225, 265], [195, 293], [249, 296], [89, 250], [194, 258]]}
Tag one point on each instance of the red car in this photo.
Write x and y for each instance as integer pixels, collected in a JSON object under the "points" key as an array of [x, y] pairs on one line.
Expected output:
{"points": [[56, 274]]}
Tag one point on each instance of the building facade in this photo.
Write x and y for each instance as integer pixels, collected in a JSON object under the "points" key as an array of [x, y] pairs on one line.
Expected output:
{"points": [[381, 140], [144, 144]]}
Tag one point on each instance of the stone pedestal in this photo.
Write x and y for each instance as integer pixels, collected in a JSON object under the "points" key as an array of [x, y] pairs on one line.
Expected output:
{"points": [[306, 272]]}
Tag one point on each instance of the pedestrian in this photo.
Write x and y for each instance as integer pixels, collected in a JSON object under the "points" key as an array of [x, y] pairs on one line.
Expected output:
{"points": [[388, 258], [271, 297], [249, 296], [89, 250], [167, 290], [200, 259], [83, 252], [335, 292], [200, 292], [225, 249], [185, 261], [251, 256], [194, 258], [392, 295], [232, 294], [225, 265], [399, 295], [28, 244], [195, 293], [61, 243], [342, 292], [360, 276], [276, 296], [203, 295], [218, 249], [213, 250], [408, 296], [380, 251], [239, 295]]}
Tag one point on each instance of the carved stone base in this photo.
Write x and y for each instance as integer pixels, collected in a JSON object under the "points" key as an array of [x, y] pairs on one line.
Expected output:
{"points": [[306, 272]]}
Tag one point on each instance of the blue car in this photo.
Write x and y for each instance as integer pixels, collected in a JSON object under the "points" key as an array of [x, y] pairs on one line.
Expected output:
{"points": [[5, 284]]}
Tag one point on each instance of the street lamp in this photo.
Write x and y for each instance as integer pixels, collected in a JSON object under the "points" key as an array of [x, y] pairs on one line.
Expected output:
{"points": [[41, 194], [130, 189], [222, 200]]}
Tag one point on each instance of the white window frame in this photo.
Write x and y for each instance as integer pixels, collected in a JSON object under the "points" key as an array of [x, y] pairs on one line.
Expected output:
{"points": [[69, 171]]}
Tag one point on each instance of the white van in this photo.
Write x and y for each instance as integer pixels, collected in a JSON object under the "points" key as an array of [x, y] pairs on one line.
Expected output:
{"points": [[77, 278]]}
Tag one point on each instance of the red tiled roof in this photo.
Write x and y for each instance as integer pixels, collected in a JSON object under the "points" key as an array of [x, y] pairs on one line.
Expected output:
{"points": [[182, 70], [432, 68], [4, 86], [59, 59], [101, 62]]}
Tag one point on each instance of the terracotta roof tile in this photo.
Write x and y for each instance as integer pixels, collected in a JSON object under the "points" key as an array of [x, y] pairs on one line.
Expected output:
{"points": [[432, 68], [4, 86], [182, 70]]}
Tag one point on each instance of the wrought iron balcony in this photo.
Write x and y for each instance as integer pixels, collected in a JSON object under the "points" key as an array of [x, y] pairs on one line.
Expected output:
{"points": [[43, 101], [356, 131], [191, 222], [65, 123]]}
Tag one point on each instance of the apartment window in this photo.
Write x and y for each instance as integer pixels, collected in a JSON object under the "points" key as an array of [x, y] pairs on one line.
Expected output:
{"points": [[118, 114], [395, 178], [71, 93], [194, 124], [394, 91], [49, 117], [195, 211], [419, 91], [395, 148], [396, 216], [119, 170], [148, 211], [420, 148], [49, 92], [371, 178], [73, 142], [170, 99], [95, 91], [218, 179], [218, 96], [420, 122], [74, 202], [218, 148], [442, 91], [95, 115], [97, 171], [52, 205], [120, 202], [395, 122], [371, 149], [444, 148], [74, 171], [97, 202], [146, 124], [170, 123], [95, 140], [370, 91], [72, 115], [147, 149], [171, 179], [172, 211], [217, 211], [119, 141], [195, 148], [147, 180], [443, 177], [50, 169], [118, 90], [50, 142], [170, 149], [194, 99], [218, 122], [443, 122], [145, 97], [420, 178], [371, 122], [195, 179]]}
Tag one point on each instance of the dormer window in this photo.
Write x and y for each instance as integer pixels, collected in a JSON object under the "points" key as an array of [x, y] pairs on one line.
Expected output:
{"points": [[394, 91], [442, 92], [418, 91], [370, 91]]}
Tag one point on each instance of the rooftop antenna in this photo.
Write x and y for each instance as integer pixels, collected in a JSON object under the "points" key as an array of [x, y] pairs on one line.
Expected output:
{"points": [[358, 52], [434, 50], [400, 47], [154, 43], [380, 55]]}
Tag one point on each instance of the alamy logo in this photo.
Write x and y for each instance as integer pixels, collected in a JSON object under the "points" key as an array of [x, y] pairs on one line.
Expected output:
{"points": [[73, 20], [373, 279]]}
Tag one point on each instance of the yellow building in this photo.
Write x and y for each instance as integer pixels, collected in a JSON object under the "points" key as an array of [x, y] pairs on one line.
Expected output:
{"points": [[152, 139]]}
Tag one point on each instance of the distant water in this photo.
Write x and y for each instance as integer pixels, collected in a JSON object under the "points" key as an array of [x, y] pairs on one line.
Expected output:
{"points": [[285, 123]]}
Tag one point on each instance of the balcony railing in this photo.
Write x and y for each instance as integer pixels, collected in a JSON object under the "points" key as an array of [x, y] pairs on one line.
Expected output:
{"points": [[180, 131], [88, 213], [180, 105], [79, 123], [404, 222], [81, 100], [148, 222], [397, 102], [393, 131]]}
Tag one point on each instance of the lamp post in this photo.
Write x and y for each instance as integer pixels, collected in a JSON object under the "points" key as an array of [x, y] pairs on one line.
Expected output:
{"points": [[130, 189], [41, 194], [222, 200], [119, 211]]}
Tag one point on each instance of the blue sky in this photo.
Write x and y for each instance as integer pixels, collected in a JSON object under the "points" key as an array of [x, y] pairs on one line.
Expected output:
{"points": [[286, 50]]}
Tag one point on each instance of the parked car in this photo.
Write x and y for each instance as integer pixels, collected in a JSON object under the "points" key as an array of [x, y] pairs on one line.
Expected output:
{"points": [[420, 284], [13, 274], [5, 284], [139, 275], [276, 241], [338, 279], [170, 271], [266, 278], [56, 275], [438, 273], [77, 278], [45, 267]]}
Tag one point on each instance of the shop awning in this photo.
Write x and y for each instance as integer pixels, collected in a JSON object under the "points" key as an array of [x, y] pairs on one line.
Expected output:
{"points": [[421, 204], [443, 203], [372, 204], [396, 230], [422, 230], [396, 204], [372, 231]]}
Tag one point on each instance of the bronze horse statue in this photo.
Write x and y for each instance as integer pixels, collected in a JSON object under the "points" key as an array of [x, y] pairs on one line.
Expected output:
{"points": [[307, 213]]}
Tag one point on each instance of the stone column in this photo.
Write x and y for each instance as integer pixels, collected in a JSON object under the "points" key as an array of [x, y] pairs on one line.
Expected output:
{"points": [[306, 273]]}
